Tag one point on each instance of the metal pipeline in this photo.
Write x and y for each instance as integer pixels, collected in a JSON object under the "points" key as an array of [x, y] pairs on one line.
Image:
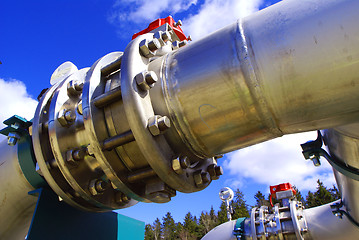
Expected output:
{"points": [[290, 68], [143, 124]]}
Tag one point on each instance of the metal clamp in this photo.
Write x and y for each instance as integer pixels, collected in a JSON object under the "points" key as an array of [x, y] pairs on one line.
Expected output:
{"points": [[339, 213], [16, 127], [313, 150]]}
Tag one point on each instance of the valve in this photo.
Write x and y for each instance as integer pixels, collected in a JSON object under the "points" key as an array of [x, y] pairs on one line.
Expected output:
{"points": [[168, 24], [283, 191]]}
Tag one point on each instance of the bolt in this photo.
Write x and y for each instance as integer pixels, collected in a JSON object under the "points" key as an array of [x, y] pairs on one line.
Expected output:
{"points": [[162, 37], [315, 160], [215, 171], [146, 80], [12, 138], [66, 117], [157, 124], [148, 48], [183, 43], [121, 198], [73, 156], [160, 197], [184, 161], [201, 178], [176, 166], [53, 163], [175, 45], [97, 186], [179, 164], [74, 88], [178, 23]]}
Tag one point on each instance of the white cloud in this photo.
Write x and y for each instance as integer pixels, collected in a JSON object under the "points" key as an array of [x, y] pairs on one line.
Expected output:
{"points": [[209, 16], [278, 161], [15, 100], [215, 14], [139, 11]]}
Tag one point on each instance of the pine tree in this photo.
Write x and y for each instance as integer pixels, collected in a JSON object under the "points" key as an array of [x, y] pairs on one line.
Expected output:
{"points": [[206, 223], [222, 214], [157, 229], [320, 197], [149, 234], [191, 226], [335, 192], [298, 195], [239, 205], [213, 215], [168, 227], [260, 200]]}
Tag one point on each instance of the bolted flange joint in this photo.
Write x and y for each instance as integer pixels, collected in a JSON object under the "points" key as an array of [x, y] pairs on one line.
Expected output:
{"points": [[66, 117], [148, 48], [158, 124], [146, 80]]}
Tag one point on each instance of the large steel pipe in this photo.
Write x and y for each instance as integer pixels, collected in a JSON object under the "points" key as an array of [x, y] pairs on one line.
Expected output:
{"points": [[290, 68], [16, 205], [342, 143]]}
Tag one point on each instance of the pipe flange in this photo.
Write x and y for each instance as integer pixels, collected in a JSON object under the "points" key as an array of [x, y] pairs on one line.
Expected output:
{"points": [[41, 144], [74, 163], [97, 130], [139, 112]]}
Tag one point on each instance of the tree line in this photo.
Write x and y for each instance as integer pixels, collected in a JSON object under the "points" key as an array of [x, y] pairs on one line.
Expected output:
{"points": [[193, 227]]}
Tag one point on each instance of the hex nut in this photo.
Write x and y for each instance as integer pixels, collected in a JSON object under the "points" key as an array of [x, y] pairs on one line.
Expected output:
{"points": [[121, 198], [176, 166], [158, 124], [73, 156], [154, 45], [205, 177], [66, 117], [219, 170], [162, 37], [148, 48], [182, 43], [201, 178], [175, 45], [146, 80], [97, 186], [159, 197], [214, 171], [178, 23], [12, 138], [74, 88], [184, 161]]}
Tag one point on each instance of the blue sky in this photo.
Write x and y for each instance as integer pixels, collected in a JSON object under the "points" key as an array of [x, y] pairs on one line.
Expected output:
{"points": [[37, 36]]}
